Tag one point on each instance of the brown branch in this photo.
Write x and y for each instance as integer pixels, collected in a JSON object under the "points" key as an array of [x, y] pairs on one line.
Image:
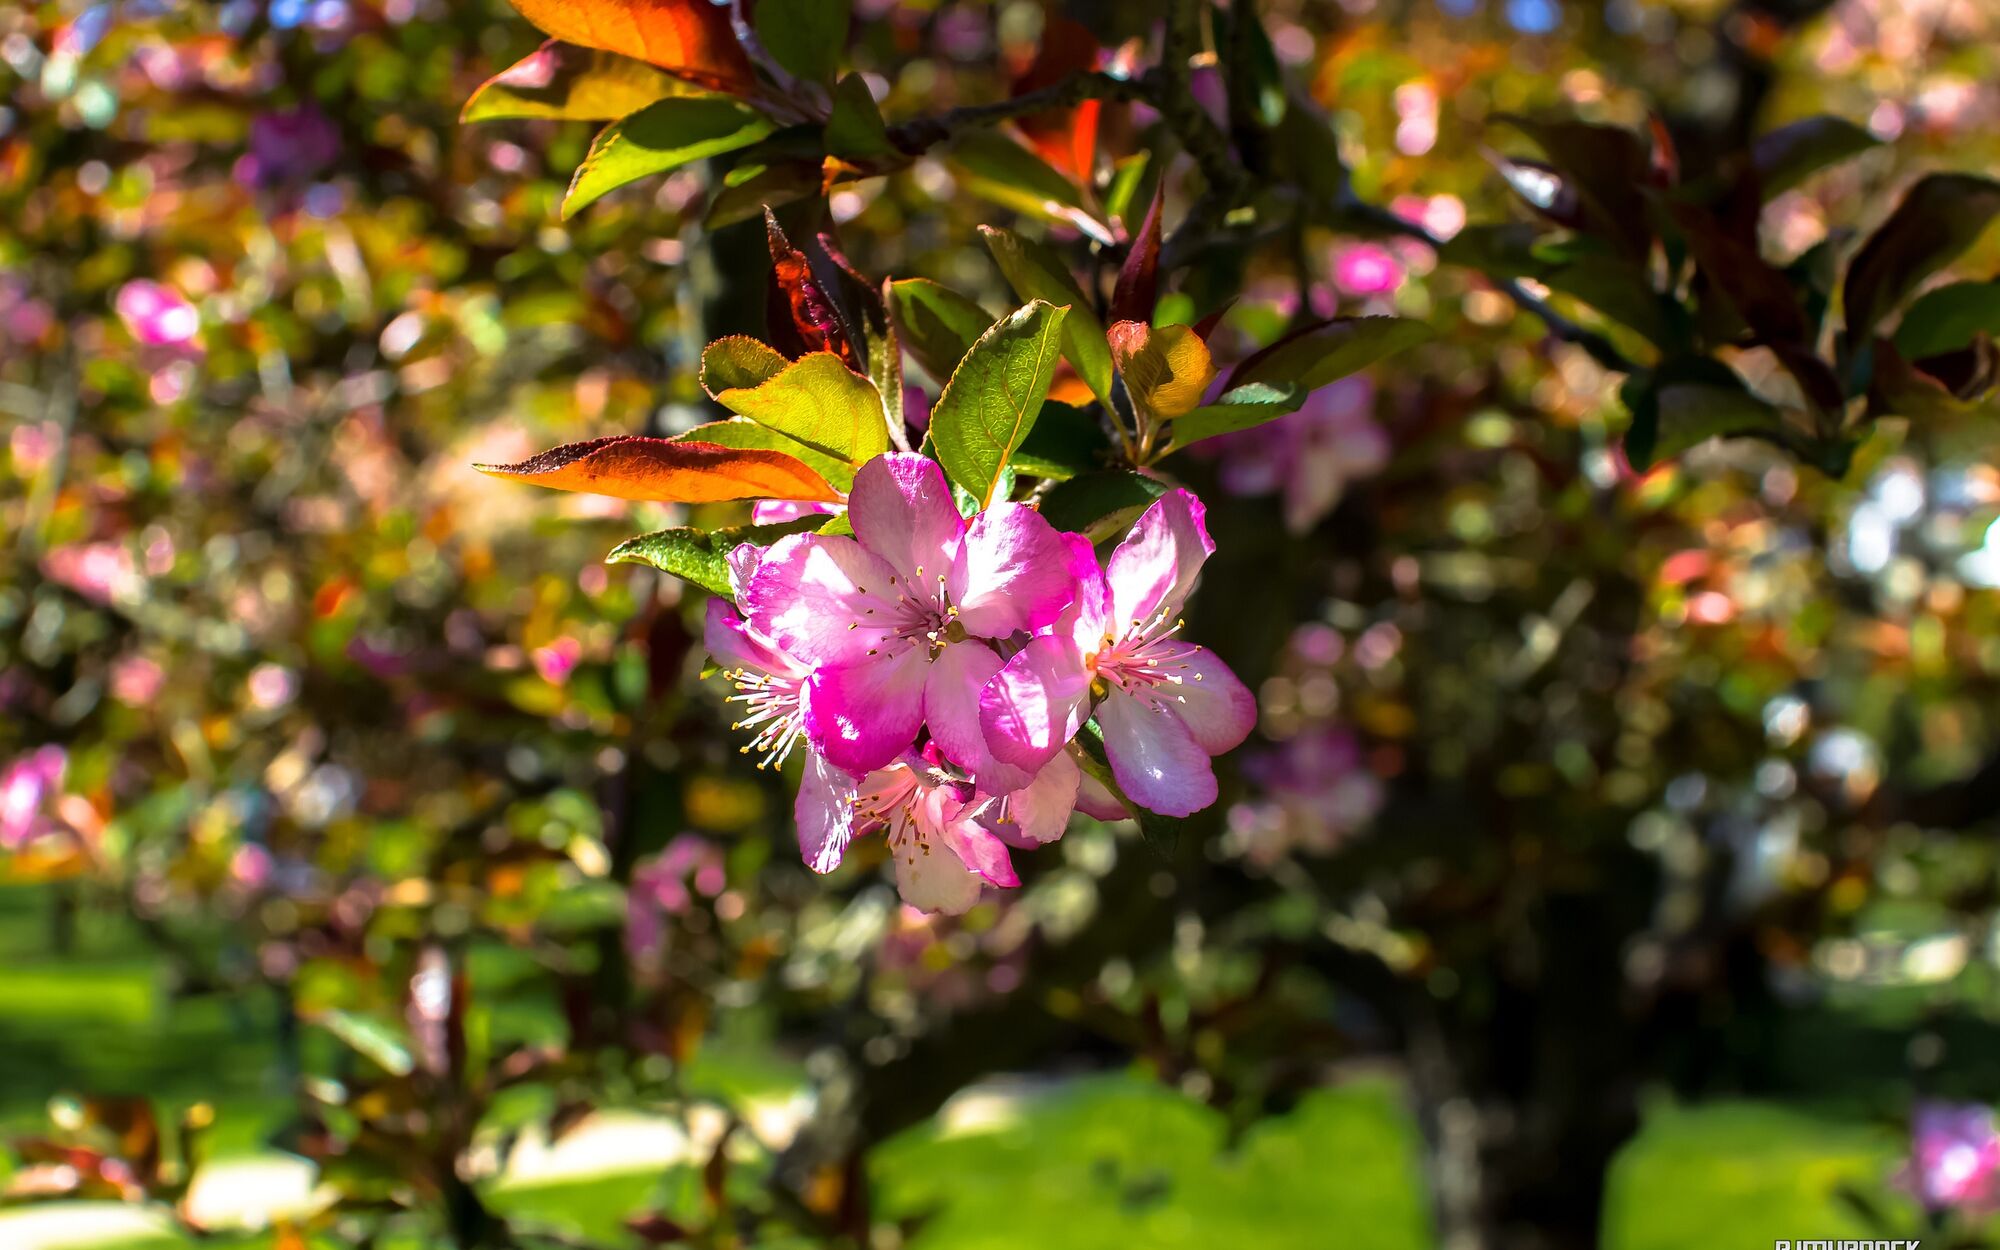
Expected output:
{"points": [[920, 133]]}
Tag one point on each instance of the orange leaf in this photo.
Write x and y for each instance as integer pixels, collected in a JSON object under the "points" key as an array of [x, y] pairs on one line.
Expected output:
{"points": [[1065, 138], [665, 471], [690, 39], [1167, 370]]}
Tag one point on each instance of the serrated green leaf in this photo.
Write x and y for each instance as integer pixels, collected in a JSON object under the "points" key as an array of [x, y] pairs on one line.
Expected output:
{"points": [[1037, 273], [739, 361], [702, 556], [742, 432], [1329, 351], [560, 80], [994, 397], [1947, 318], [1241, 408], [660, 137], [938, 324], [1101, 504], [805, 36], [820, 402]]}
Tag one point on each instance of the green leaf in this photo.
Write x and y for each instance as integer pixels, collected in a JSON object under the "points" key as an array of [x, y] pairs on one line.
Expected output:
{"points": [[658, 138], [1942, 215], [1162, 833], [806, 37], [702, 556], [1101, 504], [1242, 408], [380, 1042], [1607, 167], [1122, 195], [855, 130], [749, 190], [1947, 318], [561, 80], [739, 361], [1791, 154], [992, 166], [1329, 351], [939, 325], [994, 396], [1688, 401], [1065, 441], [1036, 272], [820, 402], [738, 432]]}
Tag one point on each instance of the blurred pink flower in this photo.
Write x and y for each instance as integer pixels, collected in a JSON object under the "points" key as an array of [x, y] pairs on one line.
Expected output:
{"points": [[666, 886], [1309, 794], [250, 866], [1954, 1156], [289, 146], [1366, 269], [272, 686], [556, 660], [136, 680], [100, 572], [26, 788], [1310, 456], [156, 315]]}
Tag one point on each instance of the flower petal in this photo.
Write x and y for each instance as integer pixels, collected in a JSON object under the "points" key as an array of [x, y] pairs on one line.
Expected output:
{"points": [[1154, 568], [811, 593], [1040, 812], [733, 644], [863, 715], [825, 814], [901, 509], [928, 878], [951, 708], [980, 851], [1154, 759], [1217, 709], [1035, 703], [1094, 799], [1013, 573]]}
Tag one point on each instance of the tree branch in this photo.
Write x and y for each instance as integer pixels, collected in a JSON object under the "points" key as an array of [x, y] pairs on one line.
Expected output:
{"points": [[921, 133]]}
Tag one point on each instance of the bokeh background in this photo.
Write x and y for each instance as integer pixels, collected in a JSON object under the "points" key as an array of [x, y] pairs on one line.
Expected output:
{"points": [[1614, 862]]}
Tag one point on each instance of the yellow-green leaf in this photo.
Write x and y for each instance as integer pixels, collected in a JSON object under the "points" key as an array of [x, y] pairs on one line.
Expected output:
{"points": [[938, 324], [660, 137], [561, 80], [1037, 273], [820, 402], [994, 397]]}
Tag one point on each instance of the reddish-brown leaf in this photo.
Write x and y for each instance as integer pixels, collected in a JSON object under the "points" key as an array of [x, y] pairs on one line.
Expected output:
{"points": [[662, 470], [813, 314], [1138, 286], [689, 39], [1065, 138]]}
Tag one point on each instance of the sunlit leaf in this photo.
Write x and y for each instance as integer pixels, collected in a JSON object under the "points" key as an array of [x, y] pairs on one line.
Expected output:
{"points": [[1037, 273], [1065, 138], [660, 137], [1166, 370], [741, 432], [690, 39], [994, 397], [820, 402], [1243, 408], [561, 80], [993, 166], [738, 361], [665, 471]]}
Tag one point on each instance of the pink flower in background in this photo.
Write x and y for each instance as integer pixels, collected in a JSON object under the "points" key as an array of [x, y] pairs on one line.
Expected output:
{"points": [[272, 686], [136, 680], [289, 146], [1366, 269], [27, 789], [892, 621], [666, 885], [943, 854], [557, 659], [100, 572], [1166, 706], [156, 315], [1309, 457], [1310, 793], [1954, 1156]]}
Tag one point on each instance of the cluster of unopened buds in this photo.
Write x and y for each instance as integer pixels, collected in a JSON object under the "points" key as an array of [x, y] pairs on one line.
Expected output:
{"points": [[938, 675]]}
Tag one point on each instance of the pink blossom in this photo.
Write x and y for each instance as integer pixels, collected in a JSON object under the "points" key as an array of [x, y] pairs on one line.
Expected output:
{"points": [[100, 572], [1165, 705], [156, 315], [778, 511], [557, 659], [289, 146], [136, 680], [1311, 456], [893, 622], [1366, 269], [1313, 791], [666, 885], [931, 816], [770, 681], [1954, 1156], [27, 788]]}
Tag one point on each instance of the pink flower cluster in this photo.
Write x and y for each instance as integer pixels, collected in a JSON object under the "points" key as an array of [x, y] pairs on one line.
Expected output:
{"points": [[939, 673]]}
